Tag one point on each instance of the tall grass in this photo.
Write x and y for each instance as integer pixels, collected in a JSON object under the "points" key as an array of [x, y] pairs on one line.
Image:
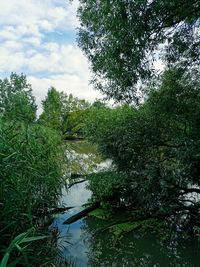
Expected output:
{"points": [[31, 160], [17, 243]]}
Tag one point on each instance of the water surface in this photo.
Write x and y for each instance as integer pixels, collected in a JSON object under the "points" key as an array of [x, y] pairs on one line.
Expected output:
{"points": [[80, 243]]}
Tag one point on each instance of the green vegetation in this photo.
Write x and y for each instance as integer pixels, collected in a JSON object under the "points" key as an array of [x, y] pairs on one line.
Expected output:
{"points": [[100, 214], [123, 228], [111, 183], [152, 136], [156, 151], [31, 171], [64, 113], [16, 100], [122, 39], [17, 244], [153, 141]]}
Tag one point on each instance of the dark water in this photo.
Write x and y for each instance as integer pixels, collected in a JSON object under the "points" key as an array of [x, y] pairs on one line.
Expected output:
{"points": [[88, 248], [81, 245]]}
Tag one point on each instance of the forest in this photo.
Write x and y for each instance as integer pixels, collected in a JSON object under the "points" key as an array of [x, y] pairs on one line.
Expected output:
{"points": [[151, 133]]}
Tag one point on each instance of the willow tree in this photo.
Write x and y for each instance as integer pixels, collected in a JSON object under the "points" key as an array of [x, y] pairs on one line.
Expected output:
{"points": [[123, 38]]}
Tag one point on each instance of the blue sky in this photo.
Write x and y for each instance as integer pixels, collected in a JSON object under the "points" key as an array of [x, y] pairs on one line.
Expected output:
{"points": [[38, 38]]}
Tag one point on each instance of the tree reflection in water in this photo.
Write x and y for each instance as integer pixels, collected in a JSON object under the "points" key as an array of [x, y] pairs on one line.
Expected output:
{"points": [[132, 250]]}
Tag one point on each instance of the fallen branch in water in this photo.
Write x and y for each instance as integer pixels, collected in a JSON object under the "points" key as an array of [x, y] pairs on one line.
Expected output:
{"points": [[73, 138], [82, 213], [126, 220], [77, 182], [76, 175], [155, 215]]}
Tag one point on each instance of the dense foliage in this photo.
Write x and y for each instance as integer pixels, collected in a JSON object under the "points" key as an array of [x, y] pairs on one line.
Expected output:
{"points": [[64, 113], [16, 99], [122, 39], [31, 171], [157, 146], [154, 145]]}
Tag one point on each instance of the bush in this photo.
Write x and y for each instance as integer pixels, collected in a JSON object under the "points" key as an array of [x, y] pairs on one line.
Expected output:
{"points": [[106, 184]]}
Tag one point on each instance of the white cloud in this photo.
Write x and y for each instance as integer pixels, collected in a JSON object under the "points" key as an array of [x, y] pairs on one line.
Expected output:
{"points": [[12, 45], [10, 61], [8, 33], [35, 39], [46, 25], [47, 14]]}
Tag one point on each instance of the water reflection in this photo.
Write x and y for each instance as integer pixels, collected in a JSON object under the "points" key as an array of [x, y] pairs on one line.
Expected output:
{"points": [[79, 242], [76, 196], [132, 250], [88, 248]]}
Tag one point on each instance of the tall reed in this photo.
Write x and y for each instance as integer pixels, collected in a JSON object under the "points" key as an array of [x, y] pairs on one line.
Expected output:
{"points": [[31, 177]]}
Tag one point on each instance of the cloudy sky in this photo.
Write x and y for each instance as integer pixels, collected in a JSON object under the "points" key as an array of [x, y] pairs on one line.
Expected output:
{"points": [[38, 38]]}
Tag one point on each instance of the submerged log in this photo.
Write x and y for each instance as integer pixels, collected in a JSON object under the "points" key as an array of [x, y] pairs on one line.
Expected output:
{"points": [[73, 138], [76, 175], [82, 213]]}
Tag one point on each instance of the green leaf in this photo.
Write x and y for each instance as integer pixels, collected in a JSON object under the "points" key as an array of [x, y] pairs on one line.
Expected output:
{"points": [[31, 239], [5, 260]]}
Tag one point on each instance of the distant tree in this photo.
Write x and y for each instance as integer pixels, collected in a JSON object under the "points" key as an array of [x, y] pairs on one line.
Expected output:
{"points": [[99, 104], [62, 112], [16, 99], [122, 39], [52, 110], [72, 103]]}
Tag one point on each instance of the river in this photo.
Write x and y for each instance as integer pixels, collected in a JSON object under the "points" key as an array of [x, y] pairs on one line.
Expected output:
{"points": [[82, 245]]}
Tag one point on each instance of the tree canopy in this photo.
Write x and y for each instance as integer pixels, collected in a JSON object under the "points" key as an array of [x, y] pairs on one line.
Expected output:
{"points": [[16, 99], [123, 39], [52, 108], [63, 112]]}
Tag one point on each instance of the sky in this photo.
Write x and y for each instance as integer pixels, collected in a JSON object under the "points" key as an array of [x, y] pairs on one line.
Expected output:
{"points": [[38, 39]]}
